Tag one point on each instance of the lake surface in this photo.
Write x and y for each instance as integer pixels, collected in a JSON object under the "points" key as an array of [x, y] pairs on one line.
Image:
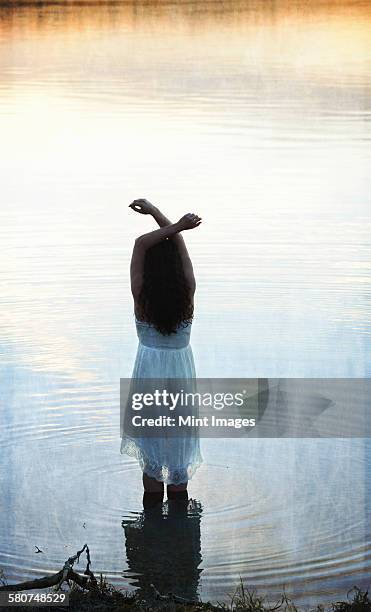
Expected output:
{"points": [[257, 117]]}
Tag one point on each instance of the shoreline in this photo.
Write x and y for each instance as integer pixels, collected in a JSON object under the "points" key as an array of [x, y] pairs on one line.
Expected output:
{"points": [[105, 597]]}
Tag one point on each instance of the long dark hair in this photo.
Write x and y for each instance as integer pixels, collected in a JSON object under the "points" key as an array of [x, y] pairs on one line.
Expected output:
{"points": [[165, 299]]}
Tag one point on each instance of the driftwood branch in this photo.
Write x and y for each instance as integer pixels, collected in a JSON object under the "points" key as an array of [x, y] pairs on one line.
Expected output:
{"points": [[86, 581]]}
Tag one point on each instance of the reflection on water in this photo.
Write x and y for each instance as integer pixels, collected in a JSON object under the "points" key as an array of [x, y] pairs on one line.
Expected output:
{"points": [[163, 548], [256, 116]]}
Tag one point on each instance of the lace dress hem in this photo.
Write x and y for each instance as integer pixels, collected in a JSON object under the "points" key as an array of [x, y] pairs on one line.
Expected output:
{"points": [[164, 473]]}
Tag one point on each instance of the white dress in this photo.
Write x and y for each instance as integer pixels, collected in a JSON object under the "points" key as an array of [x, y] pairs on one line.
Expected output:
{"points": [[172, 460]]}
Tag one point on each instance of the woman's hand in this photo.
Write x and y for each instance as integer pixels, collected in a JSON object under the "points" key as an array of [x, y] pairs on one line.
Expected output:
{"points": [[189, 221], [142, 206]]}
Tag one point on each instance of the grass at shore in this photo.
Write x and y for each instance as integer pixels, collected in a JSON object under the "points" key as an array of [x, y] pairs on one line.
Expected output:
{"points": [[104, 597], [243, 600]]}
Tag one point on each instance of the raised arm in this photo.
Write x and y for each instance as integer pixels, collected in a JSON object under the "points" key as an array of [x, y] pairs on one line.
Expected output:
{"points": [[145, 207], [167, 230]]}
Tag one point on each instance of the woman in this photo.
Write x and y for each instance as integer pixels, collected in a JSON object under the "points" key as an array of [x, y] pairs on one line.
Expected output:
{"points": [[163, 286]]}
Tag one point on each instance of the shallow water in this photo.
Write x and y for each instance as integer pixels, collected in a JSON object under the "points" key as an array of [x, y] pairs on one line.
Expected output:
{"points": [[256, 116]]}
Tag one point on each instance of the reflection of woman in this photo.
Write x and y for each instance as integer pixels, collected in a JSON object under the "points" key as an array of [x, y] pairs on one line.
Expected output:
{"points": [[163, 548], [163, 286]]}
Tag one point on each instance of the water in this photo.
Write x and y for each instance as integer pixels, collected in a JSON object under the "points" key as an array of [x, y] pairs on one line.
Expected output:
{"points": [[257, 117]]}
